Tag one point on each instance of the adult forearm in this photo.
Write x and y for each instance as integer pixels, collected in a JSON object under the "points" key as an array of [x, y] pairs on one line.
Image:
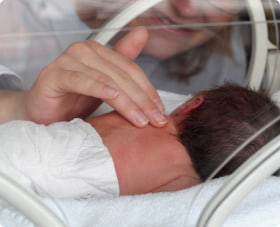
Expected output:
{"points": [[11, 105]]}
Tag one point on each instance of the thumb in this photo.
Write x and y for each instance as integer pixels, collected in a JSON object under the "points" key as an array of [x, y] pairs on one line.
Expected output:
{"points": [[132, 43]]}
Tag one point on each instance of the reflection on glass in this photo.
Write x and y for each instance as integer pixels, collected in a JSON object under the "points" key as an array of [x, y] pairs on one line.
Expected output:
{"points": [[194, 34], [193, 45]]}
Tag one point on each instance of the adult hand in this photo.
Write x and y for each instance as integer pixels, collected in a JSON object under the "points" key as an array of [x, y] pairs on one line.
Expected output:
{"points": [[86, 74]]}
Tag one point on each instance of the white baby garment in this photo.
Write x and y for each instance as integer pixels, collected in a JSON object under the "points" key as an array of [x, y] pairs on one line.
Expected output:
{"points": [[62, 160]]}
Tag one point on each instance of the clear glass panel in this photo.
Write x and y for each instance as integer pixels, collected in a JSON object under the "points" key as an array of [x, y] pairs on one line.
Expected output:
{"points": [[187, 38], [193, 45]]}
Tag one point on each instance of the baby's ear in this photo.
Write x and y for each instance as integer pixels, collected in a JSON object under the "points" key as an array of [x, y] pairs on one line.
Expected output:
{"points": [[188, 106]]}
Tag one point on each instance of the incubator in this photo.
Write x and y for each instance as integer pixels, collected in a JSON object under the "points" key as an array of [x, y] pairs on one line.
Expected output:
{"points": [[193, 45]]}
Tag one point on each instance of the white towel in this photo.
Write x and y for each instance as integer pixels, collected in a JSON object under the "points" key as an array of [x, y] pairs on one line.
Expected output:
{"points": [[170, 209]]}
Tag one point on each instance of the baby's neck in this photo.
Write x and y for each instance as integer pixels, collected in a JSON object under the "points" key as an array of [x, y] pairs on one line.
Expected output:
{"points": [[146, 159]]}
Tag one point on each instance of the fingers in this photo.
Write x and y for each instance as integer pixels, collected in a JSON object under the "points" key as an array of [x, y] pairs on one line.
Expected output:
{"points": [[132, 44], [115, 79], [90, 82], [126, 74]]}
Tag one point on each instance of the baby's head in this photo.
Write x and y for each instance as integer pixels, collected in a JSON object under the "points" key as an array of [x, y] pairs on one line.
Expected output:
{"points": [[218, 121], [198, 137]]}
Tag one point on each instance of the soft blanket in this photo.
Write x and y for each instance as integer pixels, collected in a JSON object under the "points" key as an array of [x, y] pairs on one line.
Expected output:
{"points": [[170, 209]]}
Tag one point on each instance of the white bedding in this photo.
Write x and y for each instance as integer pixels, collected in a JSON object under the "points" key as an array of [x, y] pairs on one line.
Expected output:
{"points": [[259, 209]]}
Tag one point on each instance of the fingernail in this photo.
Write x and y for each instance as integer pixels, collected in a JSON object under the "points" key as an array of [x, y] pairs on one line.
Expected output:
{"points": [[141, 119], [160, 105], [159, 118], [111, 92]]}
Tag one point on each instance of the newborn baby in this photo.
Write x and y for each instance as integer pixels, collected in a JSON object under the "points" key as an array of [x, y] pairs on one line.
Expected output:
{"points": [[107, 156]]}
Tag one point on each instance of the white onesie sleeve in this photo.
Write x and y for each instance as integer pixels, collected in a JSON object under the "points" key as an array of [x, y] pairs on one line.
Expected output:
{"points": [[62, 160]]}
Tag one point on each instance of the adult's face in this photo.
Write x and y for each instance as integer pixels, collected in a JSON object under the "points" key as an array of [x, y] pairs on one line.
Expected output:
{"points": [[171, 24]]}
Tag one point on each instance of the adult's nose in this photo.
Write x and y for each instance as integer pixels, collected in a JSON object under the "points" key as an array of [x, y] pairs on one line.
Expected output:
{"points": [[187, 8]]}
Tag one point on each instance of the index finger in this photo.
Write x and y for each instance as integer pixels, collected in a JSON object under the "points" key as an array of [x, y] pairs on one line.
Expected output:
{"points": [[133, 43], [131, 46]]}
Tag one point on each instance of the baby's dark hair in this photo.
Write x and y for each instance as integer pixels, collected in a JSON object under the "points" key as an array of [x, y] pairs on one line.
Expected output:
{"points": [[229, 115]]}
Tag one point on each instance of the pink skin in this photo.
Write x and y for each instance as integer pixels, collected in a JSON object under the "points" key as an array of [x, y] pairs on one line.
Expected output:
{"points": [[178, 13], [148, 159], [81, 78]]}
